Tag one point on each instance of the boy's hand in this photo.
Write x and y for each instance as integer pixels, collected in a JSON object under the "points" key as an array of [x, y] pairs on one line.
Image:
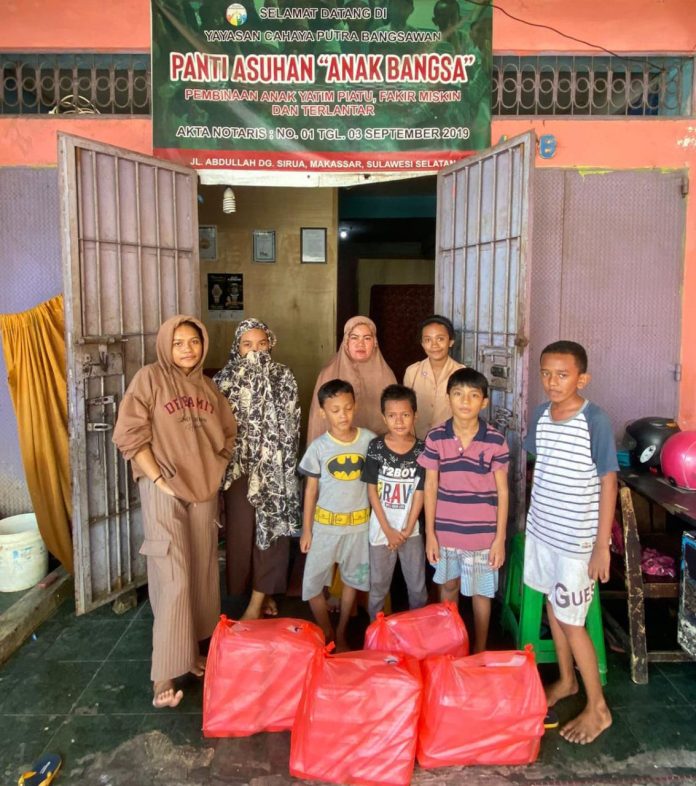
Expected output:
{"points": [[432, 549], [598, 567], [496, 555], [305, 542], [394, 538]]}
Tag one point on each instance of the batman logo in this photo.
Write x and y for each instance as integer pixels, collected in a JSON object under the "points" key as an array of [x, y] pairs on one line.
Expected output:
{"points": [[346, 466]]}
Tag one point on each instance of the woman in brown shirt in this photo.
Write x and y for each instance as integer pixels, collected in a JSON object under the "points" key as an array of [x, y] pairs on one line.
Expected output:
{"points": [[177, 431]]}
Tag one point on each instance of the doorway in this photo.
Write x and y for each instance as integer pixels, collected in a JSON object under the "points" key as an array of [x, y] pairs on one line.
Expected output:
{"points": [[386, 262]]}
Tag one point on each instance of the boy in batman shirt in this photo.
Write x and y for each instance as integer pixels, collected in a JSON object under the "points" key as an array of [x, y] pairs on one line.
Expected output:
{"points": [[336, 509]]}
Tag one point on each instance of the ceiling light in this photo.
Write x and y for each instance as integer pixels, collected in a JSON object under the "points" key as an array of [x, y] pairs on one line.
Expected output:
{"points": [[229, 203]]}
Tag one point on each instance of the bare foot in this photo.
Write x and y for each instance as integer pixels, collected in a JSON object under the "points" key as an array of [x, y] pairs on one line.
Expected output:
{"points": [[198, 668], [342, 644], [587, 726], [270, 607], [255, 608], [166, 695], [560, 690]]}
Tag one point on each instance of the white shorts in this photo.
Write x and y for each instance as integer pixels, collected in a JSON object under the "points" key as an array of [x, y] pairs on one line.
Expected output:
{"points": [[564, 580]]}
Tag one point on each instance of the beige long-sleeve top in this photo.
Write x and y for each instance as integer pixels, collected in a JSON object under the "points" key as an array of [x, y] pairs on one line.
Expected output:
{"points": [[431, 394]]}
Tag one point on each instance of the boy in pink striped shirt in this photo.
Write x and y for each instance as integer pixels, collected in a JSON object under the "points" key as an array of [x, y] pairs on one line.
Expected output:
{"points": [[466, 500]]}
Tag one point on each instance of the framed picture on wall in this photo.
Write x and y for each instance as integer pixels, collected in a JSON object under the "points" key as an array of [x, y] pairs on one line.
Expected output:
{"points": [[313, 245], [207, 242], [264, 245]]}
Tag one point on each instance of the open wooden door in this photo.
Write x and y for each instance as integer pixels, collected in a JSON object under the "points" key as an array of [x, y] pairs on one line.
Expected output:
{"points": [[129, 229], [482, 281]]}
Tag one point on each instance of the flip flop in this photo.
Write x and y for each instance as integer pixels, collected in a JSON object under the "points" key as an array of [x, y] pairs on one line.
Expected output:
{"points": [[551, 720], [42, 771]]}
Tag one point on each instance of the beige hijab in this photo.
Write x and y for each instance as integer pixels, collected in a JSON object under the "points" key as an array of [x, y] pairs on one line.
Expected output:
{"points": [[368, 378]]}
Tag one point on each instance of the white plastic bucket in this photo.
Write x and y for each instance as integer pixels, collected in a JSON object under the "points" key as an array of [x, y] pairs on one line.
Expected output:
{"points": [[23, 555]]}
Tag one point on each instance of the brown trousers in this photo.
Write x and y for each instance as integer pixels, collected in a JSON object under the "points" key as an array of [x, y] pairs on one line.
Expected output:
{"points": [[249, 567], [183, 577]]}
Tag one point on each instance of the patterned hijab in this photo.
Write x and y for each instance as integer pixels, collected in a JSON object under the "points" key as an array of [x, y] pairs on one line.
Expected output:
{"points": [[264, 399], [368, 378]]}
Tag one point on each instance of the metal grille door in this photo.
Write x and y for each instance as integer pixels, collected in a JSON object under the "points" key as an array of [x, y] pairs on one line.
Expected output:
{"points": [[130, 261], [482, 281]]}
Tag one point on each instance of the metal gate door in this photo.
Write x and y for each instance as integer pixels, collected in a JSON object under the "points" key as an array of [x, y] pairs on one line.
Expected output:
{"points": [[484, 211], [130, 260]]}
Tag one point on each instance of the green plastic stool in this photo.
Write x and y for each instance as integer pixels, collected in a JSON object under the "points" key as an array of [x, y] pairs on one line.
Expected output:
{"points": [[523, 607]]}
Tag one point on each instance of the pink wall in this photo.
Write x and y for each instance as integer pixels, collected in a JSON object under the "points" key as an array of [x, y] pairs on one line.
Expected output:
{"points": [[621, 25], [45, 25], [32, 141]]}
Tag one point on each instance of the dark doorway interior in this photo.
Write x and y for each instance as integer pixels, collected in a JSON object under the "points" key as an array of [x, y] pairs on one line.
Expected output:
{"points": [[386, 262]]}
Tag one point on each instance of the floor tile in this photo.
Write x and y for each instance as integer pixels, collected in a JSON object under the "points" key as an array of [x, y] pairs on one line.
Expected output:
{"points": [[682, 676], [23, 739], [659, 692], [136, 642], [86, 642], [672, 728], [47, 687], [182, 728], [117, 688]]}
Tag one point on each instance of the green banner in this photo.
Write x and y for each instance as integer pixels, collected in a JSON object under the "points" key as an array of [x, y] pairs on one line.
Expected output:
{"points": [[320, 85]]}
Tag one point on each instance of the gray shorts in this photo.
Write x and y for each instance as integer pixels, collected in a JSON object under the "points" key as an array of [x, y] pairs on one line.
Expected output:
{"points": [[477, 576], [349, 550]]}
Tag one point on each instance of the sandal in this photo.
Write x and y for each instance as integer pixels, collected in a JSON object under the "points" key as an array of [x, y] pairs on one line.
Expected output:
{"points": [[551, 720], [42, 771]]}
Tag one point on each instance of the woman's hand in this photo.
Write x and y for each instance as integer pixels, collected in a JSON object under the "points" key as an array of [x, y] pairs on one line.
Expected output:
{"points": [[164, 487]]}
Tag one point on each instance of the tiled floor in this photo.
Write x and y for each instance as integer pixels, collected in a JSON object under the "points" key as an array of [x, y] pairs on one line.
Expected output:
{"points": [[80, 687]]}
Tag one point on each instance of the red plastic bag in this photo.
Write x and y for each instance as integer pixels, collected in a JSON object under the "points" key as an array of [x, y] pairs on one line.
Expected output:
{"points": [[358, 720], [255, 673], [433, 630], [485, 709]]}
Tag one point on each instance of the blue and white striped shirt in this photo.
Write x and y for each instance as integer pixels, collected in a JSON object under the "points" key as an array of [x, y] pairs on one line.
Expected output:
{"points": [[571, 457]]}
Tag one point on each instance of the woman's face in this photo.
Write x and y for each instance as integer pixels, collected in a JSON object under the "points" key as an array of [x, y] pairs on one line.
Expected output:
{"points": [[255, 340], [436, 342], [187, 348], [361, 343]]}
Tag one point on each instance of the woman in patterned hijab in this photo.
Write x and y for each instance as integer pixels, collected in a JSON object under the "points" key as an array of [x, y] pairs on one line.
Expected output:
{"points": [[261, 488]]}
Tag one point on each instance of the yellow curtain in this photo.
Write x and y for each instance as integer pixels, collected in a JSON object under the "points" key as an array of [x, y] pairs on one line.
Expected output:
{"points": [[34, 348]]}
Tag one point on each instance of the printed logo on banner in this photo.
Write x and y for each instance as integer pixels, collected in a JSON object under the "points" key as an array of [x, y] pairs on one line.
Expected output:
{"points": [[404, 86], [236, 14]]}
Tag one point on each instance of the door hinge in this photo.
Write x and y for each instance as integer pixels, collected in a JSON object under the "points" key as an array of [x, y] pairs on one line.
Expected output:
{"points": [[685, 186], [677, 372]]}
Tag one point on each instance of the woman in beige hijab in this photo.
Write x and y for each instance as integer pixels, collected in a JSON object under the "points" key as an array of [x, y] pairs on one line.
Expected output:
{"points": [[359, 362]]}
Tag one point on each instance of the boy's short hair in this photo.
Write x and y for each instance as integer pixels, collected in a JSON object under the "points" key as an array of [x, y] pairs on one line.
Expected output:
{"points": [[568, 348], [468, 378], [398, 393], [436, 319], [334, 387]]}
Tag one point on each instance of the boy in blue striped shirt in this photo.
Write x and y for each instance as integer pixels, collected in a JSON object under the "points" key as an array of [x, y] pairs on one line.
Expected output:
{"points": [[569, 524]]}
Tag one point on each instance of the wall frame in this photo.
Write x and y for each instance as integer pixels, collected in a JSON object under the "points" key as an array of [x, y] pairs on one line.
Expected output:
{"points": [[263, 245], [207, 242], [313, 245]]}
